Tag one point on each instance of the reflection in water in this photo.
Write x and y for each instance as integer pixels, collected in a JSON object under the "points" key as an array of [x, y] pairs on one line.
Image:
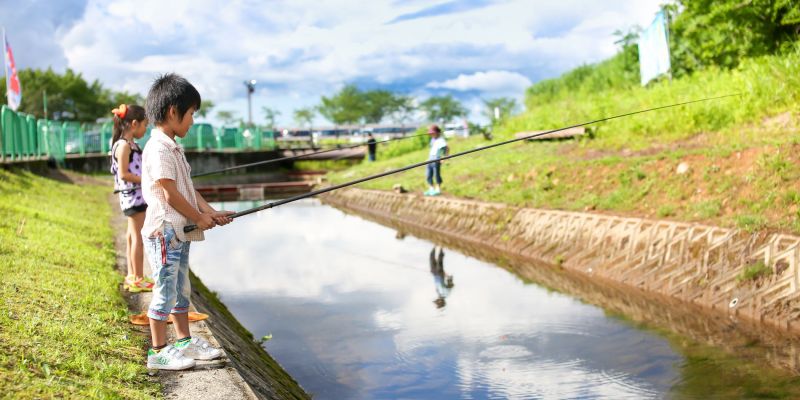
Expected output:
{"points": [[442, 281], [349, 307]]}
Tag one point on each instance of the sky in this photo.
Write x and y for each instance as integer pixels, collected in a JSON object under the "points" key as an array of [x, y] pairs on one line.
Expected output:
{"points": [[300, 50]]}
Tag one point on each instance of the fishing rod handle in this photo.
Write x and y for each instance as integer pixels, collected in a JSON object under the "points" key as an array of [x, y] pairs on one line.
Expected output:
{"points": [[191, 227]]}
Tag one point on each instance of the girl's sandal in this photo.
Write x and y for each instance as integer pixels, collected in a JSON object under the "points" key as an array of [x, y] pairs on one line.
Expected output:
{"points": [[142, 319], [136, 286]]}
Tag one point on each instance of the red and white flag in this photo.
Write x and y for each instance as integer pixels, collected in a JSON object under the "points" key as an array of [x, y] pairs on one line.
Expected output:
{"points": [[12, 79]]}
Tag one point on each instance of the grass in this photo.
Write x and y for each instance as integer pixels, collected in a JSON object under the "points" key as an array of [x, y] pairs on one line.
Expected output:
{"points": [[767, 85], [753, 272], [63, 327], [743, 153], [328, 165]]}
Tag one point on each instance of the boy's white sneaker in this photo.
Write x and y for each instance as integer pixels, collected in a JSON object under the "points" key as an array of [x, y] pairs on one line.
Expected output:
{"points": [[199, 349], [169, 358]]}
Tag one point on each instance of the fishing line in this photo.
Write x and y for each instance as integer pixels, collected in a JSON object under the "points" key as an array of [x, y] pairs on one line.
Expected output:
{"points": [[189, 228], [287, 158]]}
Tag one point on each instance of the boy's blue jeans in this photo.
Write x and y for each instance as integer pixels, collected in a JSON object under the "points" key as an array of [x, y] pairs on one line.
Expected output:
{"points": [[169, 259]]}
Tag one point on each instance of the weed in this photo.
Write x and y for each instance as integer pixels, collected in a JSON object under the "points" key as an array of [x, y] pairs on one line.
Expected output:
{"points": [[750, 223], [666, 211], [754, 271], [707, 209]]}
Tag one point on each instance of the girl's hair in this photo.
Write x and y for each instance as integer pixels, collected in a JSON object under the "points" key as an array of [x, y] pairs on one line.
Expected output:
{"points": [[123, 116]]}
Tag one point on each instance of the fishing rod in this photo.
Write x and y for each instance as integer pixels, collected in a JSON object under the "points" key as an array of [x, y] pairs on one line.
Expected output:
{"points": [[189, 228], [274, 160]]}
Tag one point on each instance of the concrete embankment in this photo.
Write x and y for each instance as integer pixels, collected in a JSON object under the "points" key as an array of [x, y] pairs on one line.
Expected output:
{"points": [[686, 278]]}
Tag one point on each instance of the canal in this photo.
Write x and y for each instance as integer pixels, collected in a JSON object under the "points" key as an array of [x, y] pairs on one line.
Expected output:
{"points": [[359, 310]]}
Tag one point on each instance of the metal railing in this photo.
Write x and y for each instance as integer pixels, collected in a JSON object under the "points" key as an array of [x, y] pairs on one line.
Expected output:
{"points": [[23, 137]]}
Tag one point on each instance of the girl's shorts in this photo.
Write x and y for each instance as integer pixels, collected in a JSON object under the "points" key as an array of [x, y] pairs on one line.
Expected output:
{"points": [[129, 212]]}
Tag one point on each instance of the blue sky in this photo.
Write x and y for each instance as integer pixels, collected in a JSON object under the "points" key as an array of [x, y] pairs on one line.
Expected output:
{"points": [[301, 49]]}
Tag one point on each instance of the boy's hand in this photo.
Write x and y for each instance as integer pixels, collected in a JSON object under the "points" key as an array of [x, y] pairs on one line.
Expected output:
{"points": [[222, 217], [205, 222]]}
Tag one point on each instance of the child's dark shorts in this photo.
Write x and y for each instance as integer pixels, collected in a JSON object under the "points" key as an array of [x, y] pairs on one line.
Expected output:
{"points": [[129, 212]]}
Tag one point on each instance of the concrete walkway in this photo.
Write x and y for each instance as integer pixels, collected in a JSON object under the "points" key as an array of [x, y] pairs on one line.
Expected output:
{"points": [[216, 379]]}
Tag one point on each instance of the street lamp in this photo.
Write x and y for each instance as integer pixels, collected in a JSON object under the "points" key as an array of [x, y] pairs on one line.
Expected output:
{"points": [[251, 87]]}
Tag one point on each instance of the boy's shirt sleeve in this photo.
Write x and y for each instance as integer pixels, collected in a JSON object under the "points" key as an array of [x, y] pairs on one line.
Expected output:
{"points": [[165, 167]]}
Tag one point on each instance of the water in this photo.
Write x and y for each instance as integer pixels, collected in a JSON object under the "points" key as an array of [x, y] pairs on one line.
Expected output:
{"points": [[358, 310]]}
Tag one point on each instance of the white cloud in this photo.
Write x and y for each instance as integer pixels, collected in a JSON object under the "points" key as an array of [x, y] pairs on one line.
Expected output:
{"points": [[302, 49], [489, 81]]}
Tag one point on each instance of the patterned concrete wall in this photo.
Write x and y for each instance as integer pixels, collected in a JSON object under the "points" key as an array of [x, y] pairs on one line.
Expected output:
{"points": [[689, 262]]}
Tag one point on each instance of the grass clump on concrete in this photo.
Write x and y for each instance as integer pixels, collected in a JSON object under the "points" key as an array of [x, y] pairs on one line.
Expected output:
{"points": [[63, 327], [754, 272]]}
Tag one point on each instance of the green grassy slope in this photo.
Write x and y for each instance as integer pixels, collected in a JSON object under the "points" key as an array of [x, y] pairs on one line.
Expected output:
{"points": [[742, 152], [63, 323]]}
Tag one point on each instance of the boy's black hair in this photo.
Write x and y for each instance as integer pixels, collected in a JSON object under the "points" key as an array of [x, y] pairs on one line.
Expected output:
{"points": [[167, 91]]}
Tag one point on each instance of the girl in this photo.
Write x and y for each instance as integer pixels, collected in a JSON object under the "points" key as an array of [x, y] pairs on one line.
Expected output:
{"points": [[126, 165]]}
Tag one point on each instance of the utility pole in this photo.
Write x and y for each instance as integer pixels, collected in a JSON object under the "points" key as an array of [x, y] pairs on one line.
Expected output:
{"points": [[251, 87]]}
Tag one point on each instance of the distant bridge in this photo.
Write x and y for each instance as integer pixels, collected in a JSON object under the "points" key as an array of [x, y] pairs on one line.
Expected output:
{"points": [[200, 161], [213, 160]]}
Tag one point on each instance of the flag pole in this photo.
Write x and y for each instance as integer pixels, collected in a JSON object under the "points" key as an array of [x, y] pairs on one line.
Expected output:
{"points": [[5, 66], [5, 95]]}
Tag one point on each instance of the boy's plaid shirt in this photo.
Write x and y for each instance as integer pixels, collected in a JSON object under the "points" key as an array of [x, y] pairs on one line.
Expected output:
{"points": [[163, 158]]}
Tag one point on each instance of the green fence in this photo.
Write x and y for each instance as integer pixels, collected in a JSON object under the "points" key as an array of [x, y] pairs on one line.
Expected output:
{"points": [[23, 137], [200, 137]]}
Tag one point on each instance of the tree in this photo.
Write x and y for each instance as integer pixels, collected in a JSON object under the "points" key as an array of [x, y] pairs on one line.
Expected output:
{"points": [[304, 116], [404, 109], [506, 105], [442, 108], [628, 42], [68, 95], [345, 107], [723, 32], [120, 98], [270, 114], [376, 104], [228, 117], [205, 107]]}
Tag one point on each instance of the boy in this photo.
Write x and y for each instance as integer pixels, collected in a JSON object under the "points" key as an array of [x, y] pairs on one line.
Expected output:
{"points": [[438, 150], [173, 203]]}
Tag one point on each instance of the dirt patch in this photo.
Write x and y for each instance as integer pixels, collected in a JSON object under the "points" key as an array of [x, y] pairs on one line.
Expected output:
{"points": [[781, 121], [69, 177], [697, 141]]}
